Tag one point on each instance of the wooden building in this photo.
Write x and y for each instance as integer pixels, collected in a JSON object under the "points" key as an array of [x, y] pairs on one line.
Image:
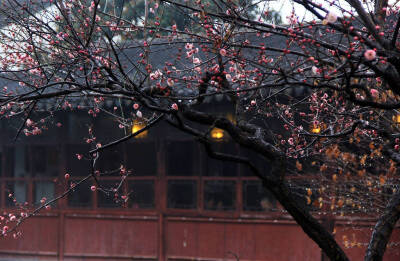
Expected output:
{"points": [[182, 205]]}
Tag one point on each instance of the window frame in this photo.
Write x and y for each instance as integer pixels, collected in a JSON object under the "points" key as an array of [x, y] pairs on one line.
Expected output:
{"points": [[160, 180]]}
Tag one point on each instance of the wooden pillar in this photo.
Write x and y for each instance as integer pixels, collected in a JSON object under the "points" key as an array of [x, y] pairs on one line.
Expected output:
{"points": [[161, 238], [61, 235], [161, 197]]}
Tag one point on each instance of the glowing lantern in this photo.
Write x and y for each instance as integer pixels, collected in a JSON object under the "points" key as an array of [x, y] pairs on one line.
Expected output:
{"points": [[138, 125], [217, 134], [396, 118], [316, 129]]}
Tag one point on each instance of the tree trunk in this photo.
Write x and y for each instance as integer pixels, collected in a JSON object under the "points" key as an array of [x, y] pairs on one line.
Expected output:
{"points": [[308, 223], [383, 230]]}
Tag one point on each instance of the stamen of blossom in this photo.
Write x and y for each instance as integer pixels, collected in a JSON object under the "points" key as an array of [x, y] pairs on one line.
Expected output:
{"points": [[370, 55]]}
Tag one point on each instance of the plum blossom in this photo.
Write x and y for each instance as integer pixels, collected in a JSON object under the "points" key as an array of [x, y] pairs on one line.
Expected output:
{"points": [[196, 60], [222, 52], [374, 93], [331, 17], [370, 55], [29, 122], [170, 82], [155, 75], [314, 70], [174, 106], [5, 229], [36, 131]]}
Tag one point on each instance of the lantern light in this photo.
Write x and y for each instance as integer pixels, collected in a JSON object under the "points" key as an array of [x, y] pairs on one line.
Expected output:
{"points": [[396, 118], [217, 134], [316, 129], [138, 125]]}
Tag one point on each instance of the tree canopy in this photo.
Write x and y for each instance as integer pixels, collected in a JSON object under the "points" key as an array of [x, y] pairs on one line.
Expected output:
{"points": [[318, 99]]}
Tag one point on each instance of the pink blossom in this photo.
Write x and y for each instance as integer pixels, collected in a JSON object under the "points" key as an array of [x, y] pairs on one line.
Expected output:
{"points": [[370, 55], [155, 75], [36, 131], [222, 52], [331, 17], [170, 82], [374, 93], [29, 122], [5, 229], [139, 114], [196, 60], [314, 70], [93, 188], [174, 106], [135, 106], [66, 176]]}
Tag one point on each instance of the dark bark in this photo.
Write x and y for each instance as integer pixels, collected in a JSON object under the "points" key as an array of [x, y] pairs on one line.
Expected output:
{"points": [[383, 230], [252, 137], [308, 223]]}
